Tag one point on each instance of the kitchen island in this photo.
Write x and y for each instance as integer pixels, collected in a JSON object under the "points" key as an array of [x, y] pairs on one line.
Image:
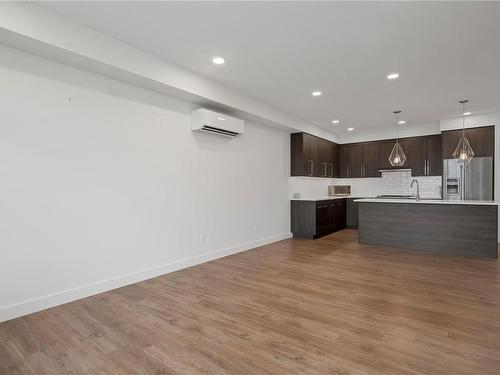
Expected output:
{"points": [[453, 227]]}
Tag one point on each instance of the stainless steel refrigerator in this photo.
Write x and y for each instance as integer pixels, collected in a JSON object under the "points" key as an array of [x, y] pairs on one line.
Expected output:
{"points": [[472, 181]]}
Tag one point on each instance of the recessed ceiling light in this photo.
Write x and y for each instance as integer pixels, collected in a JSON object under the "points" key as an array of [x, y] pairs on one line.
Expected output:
{"points": [[335, 121], [401, 122], [316, 93], [467, 113], [221, 119], [350, 129], [218, 60], [393, 76]]}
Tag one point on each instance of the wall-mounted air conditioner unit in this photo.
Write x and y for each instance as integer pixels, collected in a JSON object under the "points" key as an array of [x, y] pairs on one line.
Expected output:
{"points": [[217, 123]]}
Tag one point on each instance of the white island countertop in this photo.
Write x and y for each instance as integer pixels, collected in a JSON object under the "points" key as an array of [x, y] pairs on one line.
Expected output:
{"points": [[429, 201]]}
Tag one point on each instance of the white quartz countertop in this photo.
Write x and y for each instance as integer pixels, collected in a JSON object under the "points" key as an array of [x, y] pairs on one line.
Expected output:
{"points": [[328, 197], [428, 201]]}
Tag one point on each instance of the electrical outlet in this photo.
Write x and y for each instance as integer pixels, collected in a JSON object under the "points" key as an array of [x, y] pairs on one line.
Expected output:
{"points": [[255, 228], [203, 237]]}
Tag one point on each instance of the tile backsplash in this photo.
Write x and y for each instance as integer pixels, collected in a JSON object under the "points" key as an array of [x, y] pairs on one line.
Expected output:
{"points": [[393, 182]]}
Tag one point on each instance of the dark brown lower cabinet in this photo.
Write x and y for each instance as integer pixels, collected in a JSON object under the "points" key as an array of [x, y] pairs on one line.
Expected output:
{"points": [[312, 219]]}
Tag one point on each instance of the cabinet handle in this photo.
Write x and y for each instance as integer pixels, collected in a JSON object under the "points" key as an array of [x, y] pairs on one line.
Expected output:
{"points": [[363, 170], [325, 169], [331, 169], [428, 167], [311, 167]]}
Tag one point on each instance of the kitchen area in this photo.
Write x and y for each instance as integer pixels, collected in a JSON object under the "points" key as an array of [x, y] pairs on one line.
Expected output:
{"points": [[431, 193]]}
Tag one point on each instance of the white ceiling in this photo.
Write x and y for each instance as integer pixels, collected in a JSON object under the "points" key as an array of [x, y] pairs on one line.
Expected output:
{"points": [[280, 52]]}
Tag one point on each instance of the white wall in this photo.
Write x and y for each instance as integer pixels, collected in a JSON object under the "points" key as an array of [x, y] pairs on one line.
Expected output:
{"points": [[30, 27], [104, 184]]}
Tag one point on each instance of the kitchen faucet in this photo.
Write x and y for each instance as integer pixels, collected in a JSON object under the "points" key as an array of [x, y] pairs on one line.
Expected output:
{"points": [[418, 189]]}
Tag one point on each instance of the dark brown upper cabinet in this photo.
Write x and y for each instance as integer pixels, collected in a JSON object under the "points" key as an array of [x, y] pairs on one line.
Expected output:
{"points": [[371, 162], [385, 148], [324, 158], [365, 159], [434, 161], [355, 160], [328, 158], [482, 141], [359, 159], [313, 156], [415, 151], [333, 165], [302, 155], [343, 161], [423, 155], [350, 157]]}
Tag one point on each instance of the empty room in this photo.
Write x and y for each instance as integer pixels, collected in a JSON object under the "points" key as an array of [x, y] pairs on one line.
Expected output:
{"points": [[249, 187]]}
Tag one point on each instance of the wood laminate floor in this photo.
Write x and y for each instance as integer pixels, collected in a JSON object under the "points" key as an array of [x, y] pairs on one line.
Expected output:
{"points": [[329, 306]]}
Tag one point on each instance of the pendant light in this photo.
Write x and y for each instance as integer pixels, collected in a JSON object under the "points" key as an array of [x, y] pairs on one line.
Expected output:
{"points": [[463, 152], [397, 157]]}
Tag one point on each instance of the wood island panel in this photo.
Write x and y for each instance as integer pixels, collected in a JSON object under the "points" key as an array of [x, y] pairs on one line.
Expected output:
{"points": [[455, 229]]}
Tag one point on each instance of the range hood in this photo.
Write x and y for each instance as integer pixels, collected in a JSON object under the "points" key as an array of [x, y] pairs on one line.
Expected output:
{"points": [[395, 170]]}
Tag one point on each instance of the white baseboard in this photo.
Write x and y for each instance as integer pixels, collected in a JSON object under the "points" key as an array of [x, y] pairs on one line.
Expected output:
{"points": [[59, 298]]}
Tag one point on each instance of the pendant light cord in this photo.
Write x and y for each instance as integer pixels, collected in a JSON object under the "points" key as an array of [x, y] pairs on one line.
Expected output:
{"points": [[397, 127], [463, 152], [463, 119]]}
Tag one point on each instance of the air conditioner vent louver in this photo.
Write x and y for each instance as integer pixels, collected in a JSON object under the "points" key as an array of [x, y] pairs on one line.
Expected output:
{"points": [[219, 131], [216, 123]]}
